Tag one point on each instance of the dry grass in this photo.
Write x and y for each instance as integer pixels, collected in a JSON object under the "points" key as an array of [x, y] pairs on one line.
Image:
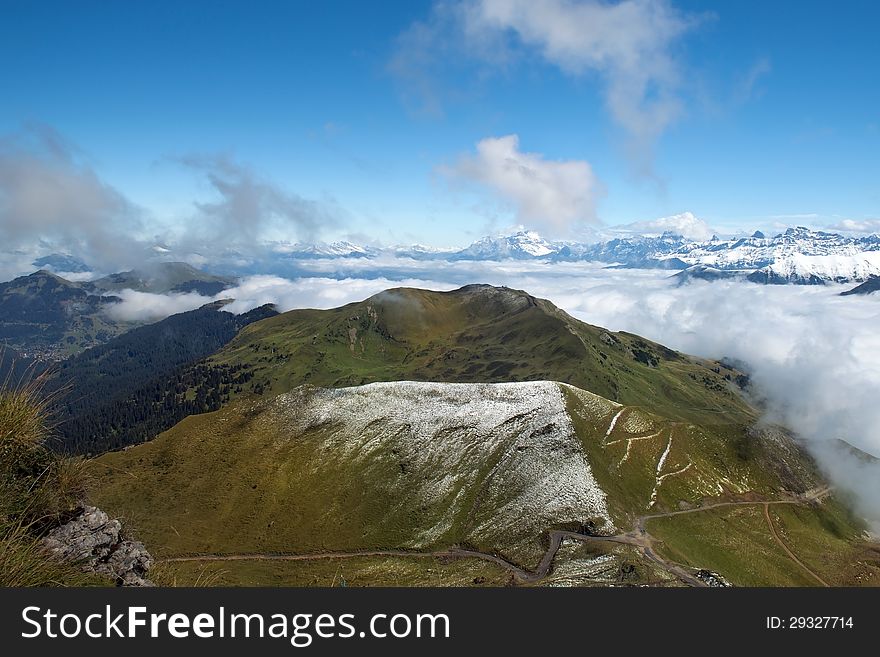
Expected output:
{"points": [[24, 563], [37, 488]]}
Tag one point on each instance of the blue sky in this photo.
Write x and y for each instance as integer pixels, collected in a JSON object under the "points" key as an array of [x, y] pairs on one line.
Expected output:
{"points": [[351, 107]]}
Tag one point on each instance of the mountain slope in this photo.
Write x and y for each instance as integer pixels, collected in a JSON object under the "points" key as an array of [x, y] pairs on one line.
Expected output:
{"points": [[61, 262], [868, 287], [478, 334], [43, 314], [114, 394], [17, 370], [164, 277], [492, 472]]}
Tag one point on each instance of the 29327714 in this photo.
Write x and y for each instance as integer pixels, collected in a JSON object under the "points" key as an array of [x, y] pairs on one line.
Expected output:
{"points": [[810, 623]]}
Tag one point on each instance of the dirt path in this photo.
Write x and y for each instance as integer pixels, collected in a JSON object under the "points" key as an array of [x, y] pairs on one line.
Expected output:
{"points": [[638, 537], [451, 553], [790, 554]]}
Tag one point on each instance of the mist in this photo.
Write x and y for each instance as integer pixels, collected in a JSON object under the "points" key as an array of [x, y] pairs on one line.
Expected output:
{"points": [[50, 194]]}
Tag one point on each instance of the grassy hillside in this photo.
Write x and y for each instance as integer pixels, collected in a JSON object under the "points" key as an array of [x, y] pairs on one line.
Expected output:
{"points": [[479, 334], [737, 542], [426, 468]]}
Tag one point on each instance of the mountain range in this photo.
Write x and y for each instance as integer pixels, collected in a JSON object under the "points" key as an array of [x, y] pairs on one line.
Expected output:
{"points": [[797, 255], [478, 436], [50, 317]]}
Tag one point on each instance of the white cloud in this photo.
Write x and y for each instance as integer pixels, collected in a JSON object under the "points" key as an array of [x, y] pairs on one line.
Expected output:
{"points": [[857, 226], [150, 307], [248, 208], [255, 291], [50, 194], [748, 84], [553, 196], [685, 224], [318, 292], [629, 44]]}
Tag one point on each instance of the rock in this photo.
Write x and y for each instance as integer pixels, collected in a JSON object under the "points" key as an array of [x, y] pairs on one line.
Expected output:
{"points": [[96, 541], [128, 564], [712, 579]]}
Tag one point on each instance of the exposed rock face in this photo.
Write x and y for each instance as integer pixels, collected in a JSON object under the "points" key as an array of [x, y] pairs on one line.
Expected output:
{"points": [[96, 541]]}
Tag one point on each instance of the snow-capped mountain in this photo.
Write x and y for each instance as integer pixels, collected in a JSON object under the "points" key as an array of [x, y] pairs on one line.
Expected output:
{"points": [[522, 245], [797, 255], [758, 251], [339, 249], [421, 252], [633, 252], [819, 269]]}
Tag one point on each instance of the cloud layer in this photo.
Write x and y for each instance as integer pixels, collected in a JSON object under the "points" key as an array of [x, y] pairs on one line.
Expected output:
{"points": [[248, 208], [685, 224], [553, 196], [863, 226], [50, 193]]}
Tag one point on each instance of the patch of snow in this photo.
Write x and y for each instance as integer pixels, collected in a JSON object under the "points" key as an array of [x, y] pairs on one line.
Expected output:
{"points": [[613, 423], [660, 465], [446, 433]]}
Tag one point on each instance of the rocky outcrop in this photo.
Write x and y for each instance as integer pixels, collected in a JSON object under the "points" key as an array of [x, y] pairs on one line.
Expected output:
{"points": [[712, 579], [97, 542]]}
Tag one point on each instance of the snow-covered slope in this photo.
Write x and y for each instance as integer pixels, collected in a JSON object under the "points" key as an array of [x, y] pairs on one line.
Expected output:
{"points": [[755, 252], [448, 433], [799, 255], [870, 286], [819, 269]]}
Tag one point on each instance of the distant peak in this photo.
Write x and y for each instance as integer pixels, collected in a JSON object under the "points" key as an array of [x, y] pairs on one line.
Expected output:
{"points": [[45, 273], [531, 234], [216, 305], [758, 235]]}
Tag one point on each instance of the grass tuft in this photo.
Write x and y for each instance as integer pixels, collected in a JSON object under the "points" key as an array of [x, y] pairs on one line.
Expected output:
{"points": [[38, 488]]}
